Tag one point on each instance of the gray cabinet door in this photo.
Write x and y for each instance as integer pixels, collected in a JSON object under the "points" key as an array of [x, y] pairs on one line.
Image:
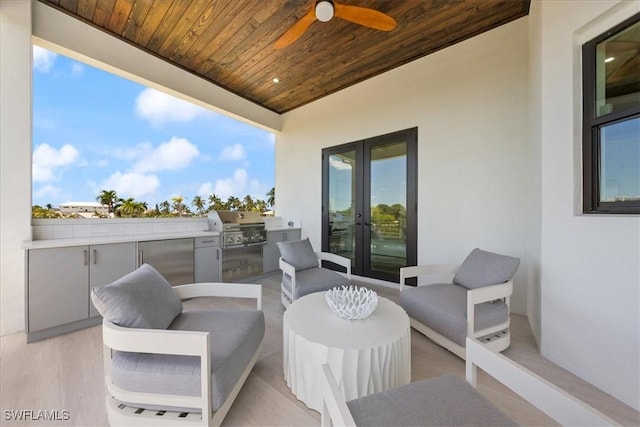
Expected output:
{"points": [[109, 263], [271, 253], [207, 263], [58, 286]]}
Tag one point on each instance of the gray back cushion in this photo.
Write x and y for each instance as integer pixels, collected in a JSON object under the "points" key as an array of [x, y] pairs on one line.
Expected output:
{"points": [[482, 268], [298, 253], [141, 299]]}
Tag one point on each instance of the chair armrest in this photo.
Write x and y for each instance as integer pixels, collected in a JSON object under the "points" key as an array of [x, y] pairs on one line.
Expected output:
{"points": [[289, 270], [489, 293], [484, 294], [286, 267], [231, 290], [547, 397], [336, 259], [334, 407], [162, 341], [425, 270]]}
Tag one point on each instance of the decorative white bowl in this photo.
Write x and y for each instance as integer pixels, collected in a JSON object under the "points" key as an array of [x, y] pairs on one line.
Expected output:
{"points": [[352, 302]]}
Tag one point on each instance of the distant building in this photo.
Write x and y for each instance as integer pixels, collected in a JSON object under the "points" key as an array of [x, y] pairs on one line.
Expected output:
{"points": [[84, 209]]}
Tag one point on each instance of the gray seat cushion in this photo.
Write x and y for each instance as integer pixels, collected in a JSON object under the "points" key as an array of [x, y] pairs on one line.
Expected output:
{"points": [[235, 337], [141, 299], [298, 253], [314, 280], [481, 268], [443, 308], [442, 401]]}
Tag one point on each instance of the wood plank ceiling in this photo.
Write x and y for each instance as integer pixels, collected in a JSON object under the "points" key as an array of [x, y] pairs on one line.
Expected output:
{"points": [[230, 42]]}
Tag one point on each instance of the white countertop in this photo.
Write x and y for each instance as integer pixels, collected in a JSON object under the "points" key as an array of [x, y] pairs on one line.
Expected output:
{"points": [[99, 240]]}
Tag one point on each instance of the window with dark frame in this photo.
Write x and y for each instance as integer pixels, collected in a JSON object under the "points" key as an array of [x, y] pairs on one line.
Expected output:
{"points": [[611, 120]]}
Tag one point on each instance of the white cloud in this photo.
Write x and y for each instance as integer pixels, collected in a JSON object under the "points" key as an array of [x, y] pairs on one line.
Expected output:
{"points": [[48, 160], [233, 152], [46, 191], [43, 59], [239, 185], [77, 69], [205, 189], [338, 164], [172, 155], [132, 184], [159, 107]]}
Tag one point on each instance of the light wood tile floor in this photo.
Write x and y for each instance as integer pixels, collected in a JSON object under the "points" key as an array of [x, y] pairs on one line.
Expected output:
{"points": [[66, 373]]}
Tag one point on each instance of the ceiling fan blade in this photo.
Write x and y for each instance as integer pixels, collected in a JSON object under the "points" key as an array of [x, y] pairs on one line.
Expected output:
{"points": [[364, 16], [296, 30]]}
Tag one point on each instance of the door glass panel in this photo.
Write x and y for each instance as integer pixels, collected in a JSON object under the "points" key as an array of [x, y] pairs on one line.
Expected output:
{"points": [[342, 204], [388, 210]]}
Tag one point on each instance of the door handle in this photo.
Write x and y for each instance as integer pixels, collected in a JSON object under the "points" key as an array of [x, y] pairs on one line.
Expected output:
{"points": [[95, 256], [85, 253]]}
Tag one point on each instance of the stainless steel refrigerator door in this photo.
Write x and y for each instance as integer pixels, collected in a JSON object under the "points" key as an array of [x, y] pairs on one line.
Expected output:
{"points": [[173, 258]]}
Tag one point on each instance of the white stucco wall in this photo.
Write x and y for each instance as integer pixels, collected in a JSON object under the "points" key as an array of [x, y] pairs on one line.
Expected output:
{"points": [[590, 275], [470, 104], [15, 158]]}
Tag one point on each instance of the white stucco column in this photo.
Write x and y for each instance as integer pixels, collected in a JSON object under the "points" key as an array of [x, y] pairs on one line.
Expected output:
{"points": [[15, 158]]}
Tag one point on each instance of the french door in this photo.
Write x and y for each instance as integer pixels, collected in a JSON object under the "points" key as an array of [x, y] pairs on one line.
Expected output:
{"points": [[369, 203]]}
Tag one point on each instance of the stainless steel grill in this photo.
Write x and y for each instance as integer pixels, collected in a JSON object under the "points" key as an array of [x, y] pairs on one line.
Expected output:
{"points": [[243, 237]]}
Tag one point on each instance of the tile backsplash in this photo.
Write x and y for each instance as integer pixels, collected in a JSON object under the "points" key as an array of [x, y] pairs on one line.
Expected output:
{"points": [[70, 229]]}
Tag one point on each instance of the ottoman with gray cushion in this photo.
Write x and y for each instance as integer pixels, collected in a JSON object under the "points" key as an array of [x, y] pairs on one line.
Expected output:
{"points": [[157, 350], [442, 401], [302, 273], [481, 285]]}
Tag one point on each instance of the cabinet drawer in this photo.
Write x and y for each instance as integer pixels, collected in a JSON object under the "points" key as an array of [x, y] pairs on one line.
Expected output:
{"points": [[203, 242]]}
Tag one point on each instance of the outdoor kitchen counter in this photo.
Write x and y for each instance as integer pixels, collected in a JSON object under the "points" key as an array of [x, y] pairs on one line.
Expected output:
{"points": [[98, 240]]}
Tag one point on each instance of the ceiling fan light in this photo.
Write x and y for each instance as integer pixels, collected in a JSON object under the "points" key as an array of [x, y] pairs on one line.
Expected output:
{"points": [[324, 10]]}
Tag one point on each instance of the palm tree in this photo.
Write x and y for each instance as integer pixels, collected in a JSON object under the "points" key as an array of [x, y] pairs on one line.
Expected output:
{"points": [[178, 206], [109, 198], [271, 197], [234, 203], [248, 203], [165, 208], [126, 207], [215, 203], [261, 206], [198, 203]]}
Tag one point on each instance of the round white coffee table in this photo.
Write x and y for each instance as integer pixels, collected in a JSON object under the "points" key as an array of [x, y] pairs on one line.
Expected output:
{"points": [[366, 356]]}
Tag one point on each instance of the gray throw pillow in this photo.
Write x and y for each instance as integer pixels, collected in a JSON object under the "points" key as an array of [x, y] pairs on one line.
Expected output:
{"points": [[141, 299], [298, 253], [482, 268]]}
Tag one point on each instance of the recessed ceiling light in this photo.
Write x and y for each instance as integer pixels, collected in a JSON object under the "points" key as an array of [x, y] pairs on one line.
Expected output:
{"points": [[276, 80], [609, 59]]}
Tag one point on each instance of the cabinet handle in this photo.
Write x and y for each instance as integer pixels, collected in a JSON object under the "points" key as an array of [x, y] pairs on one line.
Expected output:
{"points": [[95, 256], [140, 258], [85, 253], [217, 254]]}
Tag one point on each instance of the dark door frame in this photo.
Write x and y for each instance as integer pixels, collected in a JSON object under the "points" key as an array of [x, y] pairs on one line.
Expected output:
{"points": [[362, 148]]}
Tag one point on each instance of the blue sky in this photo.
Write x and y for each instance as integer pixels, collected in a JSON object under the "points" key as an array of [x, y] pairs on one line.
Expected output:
{"points": [[93, 130]]}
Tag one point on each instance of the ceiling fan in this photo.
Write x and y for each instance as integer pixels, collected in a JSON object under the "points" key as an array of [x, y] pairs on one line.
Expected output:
{"points": [[324, 10]]}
